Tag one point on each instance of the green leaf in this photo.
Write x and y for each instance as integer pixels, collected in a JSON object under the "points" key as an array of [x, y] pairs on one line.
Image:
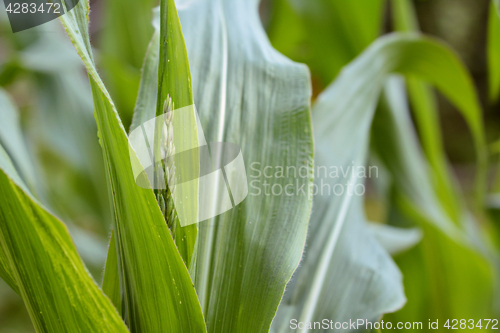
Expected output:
{"points": [[249, 94], [174, 76], [57, 289], [12, 137], [174, 82], [146, 106], [61, 127], [158, 295], [431, 269], [70, 177], [341, 248]]}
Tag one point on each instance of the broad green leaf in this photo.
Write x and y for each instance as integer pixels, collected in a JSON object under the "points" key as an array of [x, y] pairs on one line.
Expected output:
{"points": [[12, 136], [69, 207], [146, 108], [174, 76], [57, 289], [65, 153], [342, 139], [158, 295], [248, 94]]}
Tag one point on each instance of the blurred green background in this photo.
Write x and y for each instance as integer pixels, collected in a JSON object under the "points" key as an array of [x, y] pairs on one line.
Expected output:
{"points": [[45, 79]]}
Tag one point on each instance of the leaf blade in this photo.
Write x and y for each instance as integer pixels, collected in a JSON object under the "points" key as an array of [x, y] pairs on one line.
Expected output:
{"points": [[47, 270], [146, 248], [262, 235]]}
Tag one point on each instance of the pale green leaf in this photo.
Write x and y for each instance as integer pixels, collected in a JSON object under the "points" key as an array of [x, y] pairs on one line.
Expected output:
{"points": [[174, 82], [247, 93]]}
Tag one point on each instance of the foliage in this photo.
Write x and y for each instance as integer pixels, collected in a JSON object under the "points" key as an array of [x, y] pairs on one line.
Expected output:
{"points": [[431, 256]]}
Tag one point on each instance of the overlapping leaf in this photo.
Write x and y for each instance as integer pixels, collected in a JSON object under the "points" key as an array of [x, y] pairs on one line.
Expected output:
{"points": [[248, 94], [174, 82], [447, 259], [44, 266], [342, 118], [155, 284]]}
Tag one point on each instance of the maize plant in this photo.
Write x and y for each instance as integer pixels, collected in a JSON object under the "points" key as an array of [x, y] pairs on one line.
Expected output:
{"points": [[293, 173]]}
